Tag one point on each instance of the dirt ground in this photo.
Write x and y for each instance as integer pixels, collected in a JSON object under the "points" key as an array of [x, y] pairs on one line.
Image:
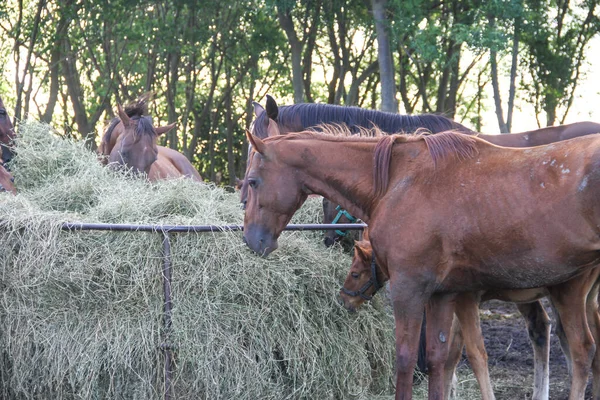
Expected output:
{"points": [[511, 357]]}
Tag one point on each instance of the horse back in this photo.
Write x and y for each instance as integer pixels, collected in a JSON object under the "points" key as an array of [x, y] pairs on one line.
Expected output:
{"points": [[553, 134], [179, 162]]}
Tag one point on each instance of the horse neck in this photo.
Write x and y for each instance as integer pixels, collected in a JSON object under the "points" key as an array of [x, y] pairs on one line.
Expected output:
{"points": [[110, 137], [339, 171]]}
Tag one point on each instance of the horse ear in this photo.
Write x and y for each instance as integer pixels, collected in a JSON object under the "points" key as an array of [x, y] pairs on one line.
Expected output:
{"points": [[258, 109], [365, 234], [363, 248], [164, 129], [272, 109], [257, 144], [123, 116]]}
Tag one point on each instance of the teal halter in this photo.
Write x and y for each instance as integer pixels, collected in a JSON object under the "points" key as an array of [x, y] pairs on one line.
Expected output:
{"points": [[346, 214]]}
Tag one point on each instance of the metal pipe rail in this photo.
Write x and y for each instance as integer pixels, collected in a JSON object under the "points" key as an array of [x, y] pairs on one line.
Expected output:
{"points": [[165, 230], [82, 226]]}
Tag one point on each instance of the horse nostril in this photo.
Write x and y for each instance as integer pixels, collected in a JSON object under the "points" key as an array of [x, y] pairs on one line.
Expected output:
{"points": [[328, 241], [244, 239]]}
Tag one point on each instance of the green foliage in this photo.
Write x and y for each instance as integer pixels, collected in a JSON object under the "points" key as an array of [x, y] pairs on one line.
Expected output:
{"points": [[195, 56]]}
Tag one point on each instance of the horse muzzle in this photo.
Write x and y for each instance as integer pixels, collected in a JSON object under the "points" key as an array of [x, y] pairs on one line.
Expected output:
{"points": [[259, 240]]}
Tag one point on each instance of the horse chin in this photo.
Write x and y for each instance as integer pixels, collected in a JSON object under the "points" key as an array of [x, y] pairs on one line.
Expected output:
{"points": [[344, 302], [259, 240]]}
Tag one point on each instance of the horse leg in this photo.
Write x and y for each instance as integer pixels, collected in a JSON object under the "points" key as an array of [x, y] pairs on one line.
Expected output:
{"points": [[408, 300], [538, 327], [440, 310], [569, 299], [467, 311], [457, 342], [593, 318], [562, 338]]}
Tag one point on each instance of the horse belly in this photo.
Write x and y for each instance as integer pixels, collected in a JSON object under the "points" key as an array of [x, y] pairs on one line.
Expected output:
{"points": [[520, 273]]}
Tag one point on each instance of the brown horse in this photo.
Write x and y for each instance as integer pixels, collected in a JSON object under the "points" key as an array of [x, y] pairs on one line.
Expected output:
{"points": [[366, 277], [277, 120], [130, 141], [7, 134], [447, 213]]}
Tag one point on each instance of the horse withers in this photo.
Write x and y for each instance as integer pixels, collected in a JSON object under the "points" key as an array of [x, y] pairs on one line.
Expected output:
{"points": [[7, 134], [365, 277], [447, 213]]}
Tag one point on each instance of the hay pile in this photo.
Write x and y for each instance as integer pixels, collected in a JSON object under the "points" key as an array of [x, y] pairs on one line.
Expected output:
{"points": [[82, 312]]}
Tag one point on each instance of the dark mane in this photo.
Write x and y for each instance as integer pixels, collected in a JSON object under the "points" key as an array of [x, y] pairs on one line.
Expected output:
{"points": [[138, 109], [440, 146], [111, 127], [144, 126], [312, 115]]}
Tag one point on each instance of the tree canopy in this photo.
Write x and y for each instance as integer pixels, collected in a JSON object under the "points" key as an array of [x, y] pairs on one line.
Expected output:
{"points": [[70, 62]]}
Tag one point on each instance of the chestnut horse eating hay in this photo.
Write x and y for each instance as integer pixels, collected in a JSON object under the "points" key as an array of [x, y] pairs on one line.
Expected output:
{"points": [[447, 213], [366, 277]]}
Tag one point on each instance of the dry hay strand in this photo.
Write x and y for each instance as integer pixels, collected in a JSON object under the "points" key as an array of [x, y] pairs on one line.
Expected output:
{"points": [[82, 312]]}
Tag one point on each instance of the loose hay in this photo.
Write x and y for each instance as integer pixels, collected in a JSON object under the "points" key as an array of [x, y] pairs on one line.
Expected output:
{"points": [[82, 312]]}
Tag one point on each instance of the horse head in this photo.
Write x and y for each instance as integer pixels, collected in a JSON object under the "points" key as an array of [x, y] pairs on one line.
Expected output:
{"points": [[364, 277], [274, 194], [7, 134], [132, 142], [6, 179], [333, 214]]}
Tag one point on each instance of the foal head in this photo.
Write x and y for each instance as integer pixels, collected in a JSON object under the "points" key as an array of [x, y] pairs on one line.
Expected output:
{"points": [[7, 133], [274, 195], [364, 277], [134, 144]]}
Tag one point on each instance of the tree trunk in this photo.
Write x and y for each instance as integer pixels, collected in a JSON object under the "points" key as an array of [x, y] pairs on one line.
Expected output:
{"points": [[513, 75], [496, 89], [285, 20], [386, 62]]}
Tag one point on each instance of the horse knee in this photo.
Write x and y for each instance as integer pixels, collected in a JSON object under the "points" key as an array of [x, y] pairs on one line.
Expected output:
{"points": [[405, 363]]}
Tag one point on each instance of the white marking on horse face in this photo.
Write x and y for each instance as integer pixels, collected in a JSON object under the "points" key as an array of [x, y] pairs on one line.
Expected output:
{"points": [[566, 170], [583, 184], [553, 162], [544, 162], [543, 185]]}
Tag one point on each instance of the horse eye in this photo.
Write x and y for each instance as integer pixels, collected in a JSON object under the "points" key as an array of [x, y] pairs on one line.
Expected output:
{"points": [[252, 183], [355, 275]]}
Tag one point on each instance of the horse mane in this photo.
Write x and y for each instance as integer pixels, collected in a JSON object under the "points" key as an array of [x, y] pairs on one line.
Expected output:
{"points": [[315, 114], [138, 109], [439, 146]]}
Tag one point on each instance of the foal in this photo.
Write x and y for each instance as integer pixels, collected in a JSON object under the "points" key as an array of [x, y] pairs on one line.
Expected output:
{"points": [[366, 277]]}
